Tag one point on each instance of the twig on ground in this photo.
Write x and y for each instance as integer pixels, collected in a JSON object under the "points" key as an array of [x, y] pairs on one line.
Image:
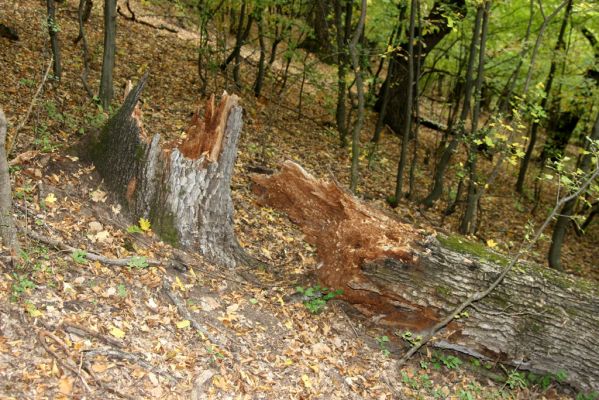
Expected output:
{"points": [[65, 363], [134, 358], [83, 332], [15, 134], [121, 262], [480, 295], [184, 312]]}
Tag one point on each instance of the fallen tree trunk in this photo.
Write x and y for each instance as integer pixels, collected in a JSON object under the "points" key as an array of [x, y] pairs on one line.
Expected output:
{"points": [[183, 190], [537, 319]]}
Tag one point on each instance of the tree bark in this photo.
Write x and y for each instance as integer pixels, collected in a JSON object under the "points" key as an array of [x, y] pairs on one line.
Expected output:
{"points": [[548, 84], [8, 234], [438, 29], [183, 190], [565, 217], [106, 88], [537, 319], [53, 30]]}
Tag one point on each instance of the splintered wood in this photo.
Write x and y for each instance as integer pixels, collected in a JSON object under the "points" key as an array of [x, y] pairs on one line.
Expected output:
{"points": [[205, 136], [348, 234]]}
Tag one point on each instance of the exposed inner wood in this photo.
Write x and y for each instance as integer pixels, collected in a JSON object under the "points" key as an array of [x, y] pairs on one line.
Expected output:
{"points": [[390, 271]]}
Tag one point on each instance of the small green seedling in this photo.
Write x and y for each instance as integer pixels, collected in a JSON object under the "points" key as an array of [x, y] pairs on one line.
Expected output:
{"points": [[316, 297], [383, 342], [138, 262], [79, 256]]}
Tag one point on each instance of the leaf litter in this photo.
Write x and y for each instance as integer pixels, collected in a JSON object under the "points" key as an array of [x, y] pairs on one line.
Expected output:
{"points": [[77, 328]]}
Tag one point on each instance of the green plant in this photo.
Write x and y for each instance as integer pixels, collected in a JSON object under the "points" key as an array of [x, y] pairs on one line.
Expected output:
{"points": [[587, 396], [516, 380], [21, 285], [383, 342], [138, 262], [121, 290], [316, 297], [134, 229], [450, 362], [410, 338], [79, 256]]}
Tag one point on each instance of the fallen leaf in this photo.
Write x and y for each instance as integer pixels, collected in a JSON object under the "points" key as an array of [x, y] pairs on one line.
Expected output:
{"points": [[50, 200], [183, 324], [117, 333], [65, 385], [307, 381], [98, 196]]}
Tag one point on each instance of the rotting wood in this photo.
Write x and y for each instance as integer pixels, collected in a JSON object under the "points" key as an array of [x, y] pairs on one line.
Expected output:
{"points": [[183, 190], [537, 319]]}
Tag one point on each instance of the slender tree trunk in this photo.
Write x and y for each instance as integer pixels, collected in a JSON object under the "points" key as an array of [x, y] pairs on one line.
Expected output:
{"points": [[416, 109], [355, 60], [85, 10], [468, 224], [563, 221], [508, 90], [441, 167], [81, 16], [548, 84], [53, 30], [405, 142], [261, 63], [8, 234], [341, 37], [535, 51], [106, 85]]}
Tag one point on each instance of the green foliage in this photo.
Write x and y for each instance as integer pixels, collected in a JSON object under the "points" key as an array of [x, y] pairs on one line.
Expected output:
{"points": [[21, 285], [138, 262], [121, 290], [413, 340], [79, 256], [315, 298], [383, 342], [516, 380], [134, 229]]}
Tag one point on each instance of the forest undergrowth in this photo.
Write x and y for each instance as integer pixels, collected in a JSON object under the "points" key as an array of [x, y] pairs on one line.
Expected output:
{"points": [[75, 328]]}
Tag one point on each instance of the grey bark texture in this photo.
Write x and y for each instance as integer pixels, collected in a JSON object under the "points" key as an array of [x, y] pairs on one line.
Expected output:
{"points": [[187, 199], [8, 235], [537, 319], [106, 88]]}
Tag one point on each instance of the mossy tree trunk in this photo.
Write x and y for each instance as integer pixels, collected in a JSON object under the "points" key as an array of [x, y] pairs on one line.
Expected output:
{"points": [[537, 319], [183, 190]]}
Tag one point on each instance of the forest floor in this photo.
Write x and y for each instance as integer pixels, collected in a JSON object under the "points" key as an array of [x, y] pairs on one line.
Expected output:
{"points": [[73, 328]]}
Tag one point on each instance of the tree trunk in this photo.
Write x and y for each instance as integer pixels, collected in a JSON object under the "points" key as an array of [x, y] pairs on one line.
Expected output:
{"points": [[548, 84], [8, 235], [409, 94], [537, 319], [185, 190], [564, 219], [262, 62], [438, 29], [468, 223], [106, 89], [441, 167], [53, 30], [319, 43]]}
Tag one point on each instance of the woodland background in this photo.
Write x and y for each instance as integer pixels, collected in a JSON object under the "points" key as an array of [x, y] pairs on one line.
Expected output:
{"points": [[383, 97]]}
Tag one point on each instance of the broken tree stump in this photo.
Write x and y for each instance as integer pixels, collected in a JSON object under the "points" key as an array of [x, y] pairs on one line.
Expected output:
{"points": [[537, 319], [183, 190]]}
